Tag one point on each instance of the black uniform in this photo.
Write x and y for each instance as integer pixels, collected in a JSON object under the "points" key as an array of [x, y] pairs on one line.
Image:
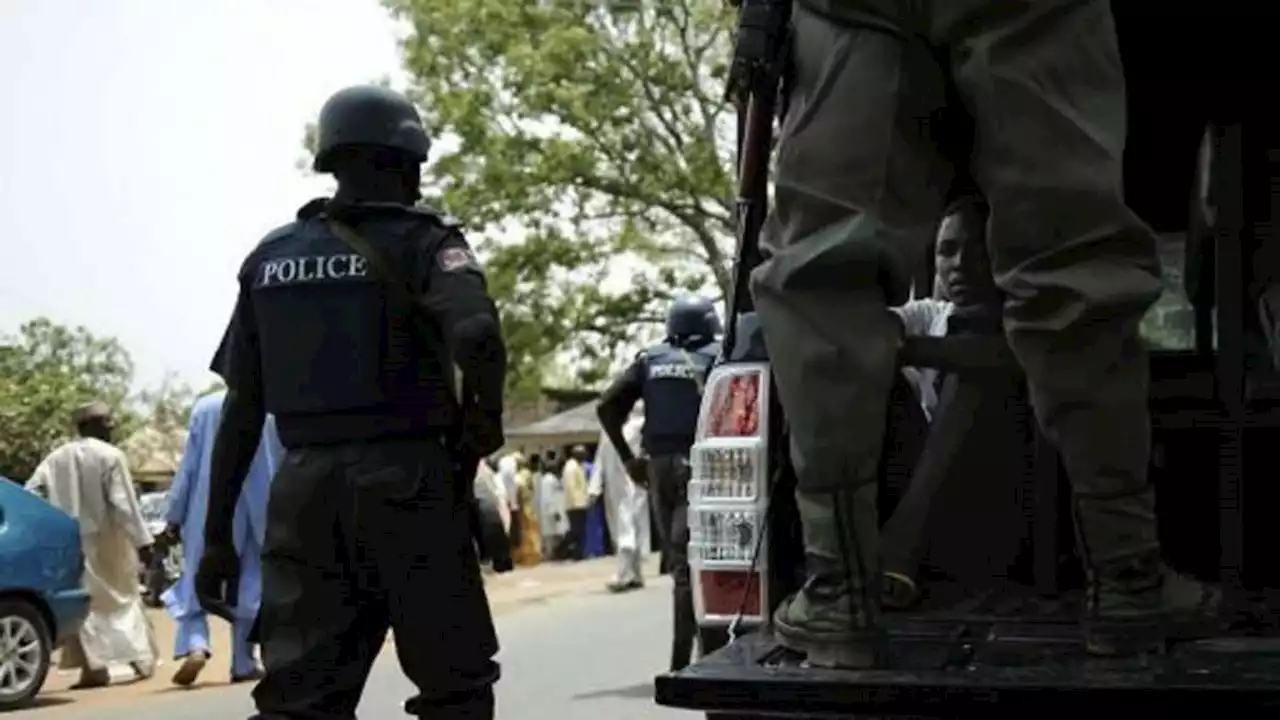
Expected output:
{"points": [[364, 528], [347, 326], [669, 378]]}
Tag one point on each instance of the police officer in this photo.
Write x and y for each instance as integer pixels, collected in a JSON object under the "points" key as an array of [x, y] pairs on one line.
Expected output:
{"points": [[860, 181], [669, 377], [347, 327]]}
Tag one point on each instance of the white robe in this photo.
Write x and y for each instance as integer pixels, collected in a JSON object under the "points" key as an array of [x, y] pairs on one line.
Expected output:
{"points": [[626, 504], [489, 485], [551, 507], [89, 479], [508, 467]]}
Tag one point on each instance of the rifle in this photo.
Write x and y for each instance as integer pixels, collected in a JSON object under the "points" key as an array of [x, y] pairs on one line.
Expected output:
{"points": [[761, 61]]}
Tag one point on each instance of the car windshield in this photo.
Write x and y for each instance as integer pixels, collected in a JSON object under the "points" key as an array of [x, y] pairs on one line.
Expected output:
{"points": [[153, 505]]}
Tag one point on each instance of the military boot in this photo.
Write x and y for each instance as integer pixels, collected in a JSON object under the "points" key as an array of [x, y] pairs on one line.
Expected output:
{"points": [[1133, 602], [833, 618]]}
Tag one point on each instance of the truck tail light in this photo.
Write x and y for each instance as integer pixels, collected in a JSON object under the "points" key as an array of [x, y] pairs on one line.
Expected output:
{"points": [[728, 495], [724, 592]]}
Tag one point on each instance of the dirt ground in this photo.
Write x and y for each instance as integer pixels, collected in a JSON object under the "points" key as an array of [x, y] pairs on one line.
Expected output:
{"points": [[507, 592]]}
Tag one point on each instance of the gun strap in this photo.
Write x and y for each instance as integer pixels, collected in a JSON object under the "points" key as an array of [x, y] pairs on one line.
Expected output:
{"points": [[400, 290]]}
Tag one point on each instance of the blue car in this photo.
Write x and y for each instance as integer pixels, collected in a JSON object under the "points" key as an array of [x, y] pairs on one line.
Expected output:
{"points": [[42, 602]]}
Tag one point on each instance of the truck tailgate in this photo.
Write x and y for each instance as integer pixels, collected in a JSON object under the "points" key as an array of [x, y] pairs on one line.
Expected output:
{"points": [[1016, 669]]}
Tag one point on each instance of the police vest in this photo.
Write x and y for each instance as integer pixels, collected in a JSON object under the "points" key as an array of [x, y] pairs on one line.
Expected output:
{"points": [[342, 359], [674, 378]]}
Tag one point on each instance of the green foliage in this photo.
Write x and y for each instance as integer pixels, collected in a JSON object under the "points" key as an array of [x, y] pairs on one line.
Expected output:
{"points": [[46, 371], [593, 160], [168, 407], [213, 387]]}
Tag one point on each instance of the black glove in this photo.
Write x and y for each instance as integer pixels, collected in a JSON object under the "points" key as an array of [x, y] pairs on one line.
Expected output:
{"points": [[638, 469], [481, 431], [759, 50], [218, 580]]}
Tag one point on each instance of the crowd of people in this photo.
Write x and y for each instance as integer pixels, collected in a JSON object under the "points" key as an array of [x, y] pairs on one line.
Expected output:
{"points": [[556, 506], [89, 479]]}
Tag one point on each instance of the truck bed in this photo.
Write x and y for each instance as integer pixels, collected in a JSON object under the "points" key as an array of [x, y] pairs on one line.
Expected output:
{"points": [[970, 663]]}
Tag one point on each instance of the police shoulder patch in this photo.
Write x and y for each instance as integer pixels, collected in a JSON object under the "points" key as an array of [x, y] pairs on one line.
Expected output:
{"points": [[455, 258]]}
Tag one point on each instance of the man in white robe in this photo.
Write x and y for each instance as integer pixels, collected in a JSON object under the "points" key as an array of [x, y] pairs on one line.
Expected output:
{"points": [[489, 486], [88, 478], [626, 507]]}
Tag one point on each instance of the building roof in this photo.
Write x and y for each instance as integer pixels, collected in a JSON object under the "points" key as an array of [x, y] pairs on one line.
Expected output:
{"points": [[154, 452], [576, 421], [577, 425]]}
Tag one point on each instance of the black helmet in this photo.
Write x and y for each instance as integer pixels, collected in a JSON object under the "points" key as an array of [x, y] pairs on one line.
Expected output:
{"points": [[692, 316], [369, 115], [713, 318]]}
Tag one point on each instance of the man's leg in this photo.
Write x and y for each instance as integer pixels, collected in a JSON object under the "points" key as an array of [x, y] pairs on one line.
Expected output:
{"points": [[638, 506], [662, 509], [631, 542], [191, 643], [859, 189], [74, 656], [244, 664], [671, 474], [578, 521], [420, 547], [317, 644], [1079, 270], [615, 503]]}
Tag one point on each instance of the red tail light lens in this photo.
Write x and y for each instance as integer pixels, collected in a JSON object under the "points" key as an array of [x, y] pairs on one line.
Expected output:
{"points": [[735, 407], [723, 590]]}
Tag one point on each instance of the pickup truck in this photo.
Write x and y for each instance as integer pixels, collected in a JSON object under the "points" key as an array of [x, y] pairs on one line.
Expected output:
{"points": [[997, 633]]}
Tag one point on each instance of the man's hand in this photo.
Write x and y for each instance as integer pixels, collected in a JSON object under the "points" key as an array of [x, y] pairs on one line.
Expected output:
{"points": [[759, 50], [172, 533], [638, 469], [218, 578], [481, 431]]}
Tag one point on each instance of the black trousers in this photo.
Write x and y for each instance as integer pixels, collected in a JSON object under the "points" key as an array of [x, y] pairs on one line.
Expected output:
{"points": [[360, 539], [575, 541], [669, 488]]}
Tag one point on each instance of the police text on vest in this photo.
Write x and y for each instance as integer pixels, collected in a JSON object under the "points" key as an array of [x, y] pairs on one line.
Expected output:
{"points": [[315, 268]]}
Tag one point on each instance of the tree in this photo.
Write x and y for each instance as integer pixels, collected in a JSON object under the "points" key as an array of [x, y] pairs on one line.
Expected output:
{"points": [[168, 406], [46, 371], [593, 159]]}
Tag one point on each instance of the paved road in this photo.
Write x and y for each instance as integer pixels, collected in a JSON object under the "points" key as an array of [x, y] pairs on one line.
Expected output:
{"points": [[581, 657]]}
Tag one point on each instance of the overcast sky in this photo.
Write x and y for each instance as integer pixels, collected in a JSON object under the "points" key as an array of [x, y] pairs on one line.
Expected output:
{"points": [[146, 146]]}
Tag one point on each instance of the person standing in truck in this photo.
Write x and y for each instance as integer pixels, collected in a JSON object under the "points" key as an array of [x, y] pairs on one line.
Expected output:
{"points": [[669, 377], [861, 176]]}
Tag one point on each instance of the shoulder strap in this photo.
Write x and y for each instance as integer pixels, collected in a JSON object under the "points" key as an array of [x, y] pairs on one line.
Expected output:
{"points": [[697, 371], [396, 285], [381, 269]]}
